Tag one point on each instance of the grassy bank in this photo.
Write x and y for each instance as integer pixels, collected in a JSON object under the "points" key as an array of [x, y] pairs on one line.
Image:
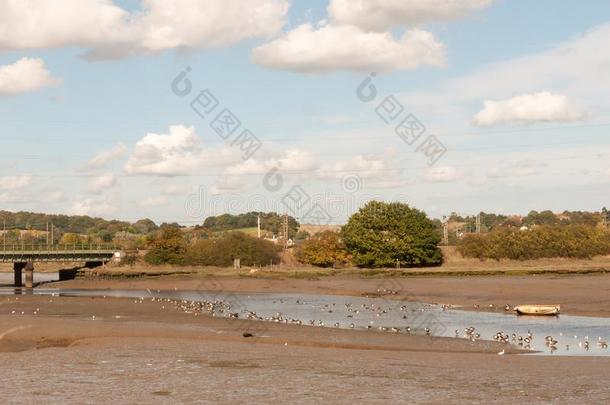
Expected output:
{"points": [[454, 265]]}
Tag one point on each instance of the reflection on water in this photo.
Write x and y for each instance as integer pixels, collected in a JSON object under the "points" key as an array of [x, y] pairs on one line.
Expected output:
{"points": [[571, 332], [39, 277]]}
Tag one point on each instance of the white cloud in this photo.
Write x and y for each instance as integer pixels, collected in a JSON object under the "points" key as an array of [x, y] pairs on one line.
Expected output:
{"points": [[536, 107], [93, 207], [522, 168], [297, 165], [102, 183], [54, 196], [385, 14], [576, 67], [103, 158], [329, 48], [444, 174], [180, 152], [178, 189], [109, 31], [227, 184], [371, 171], [293, 162], [11, 183], [24, 76], [153, 201]]}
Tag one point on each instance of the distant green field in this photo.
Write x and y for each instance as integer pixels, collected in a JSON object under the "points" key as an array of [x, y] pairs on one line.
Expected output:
{"points": [[251, 231]]}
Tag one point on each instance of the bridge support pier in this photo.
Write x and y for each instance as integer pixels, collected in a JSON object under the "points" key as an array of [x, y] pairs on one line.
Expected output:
{"points": [[29, 275], [17, 269]]}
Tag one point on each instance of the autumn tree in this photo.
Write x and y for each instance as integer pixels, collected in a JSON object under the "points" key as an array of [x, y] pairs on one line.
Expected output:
{"points": [[324, 249], [71, 239], [168, 247]]}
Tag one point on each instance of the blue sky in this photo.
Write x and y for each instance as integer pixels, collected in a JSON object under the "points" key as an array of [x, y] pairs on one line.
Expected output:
{"points": [[74, 137]]}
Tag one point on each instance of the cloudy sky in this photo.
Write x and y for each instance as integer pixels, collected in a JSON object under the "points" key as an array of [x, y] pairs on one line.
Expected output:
{"points": [[179, 109]]}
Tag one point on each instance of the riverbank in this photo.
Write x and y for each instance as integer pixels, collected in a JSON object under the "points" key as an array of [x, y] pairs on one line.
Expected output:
{"points": [[586, 295], [151, 352], [44, 321]]}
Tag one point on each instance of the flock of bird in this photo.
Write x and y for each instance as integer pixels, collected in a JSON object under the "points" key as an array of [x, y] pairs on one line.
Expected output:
{"points": [[222, 308]]}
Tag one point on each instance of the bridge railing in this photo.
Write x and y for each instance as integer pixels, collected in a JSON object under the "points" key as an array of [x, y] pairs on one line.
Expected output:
{"points": [[76, 247]]}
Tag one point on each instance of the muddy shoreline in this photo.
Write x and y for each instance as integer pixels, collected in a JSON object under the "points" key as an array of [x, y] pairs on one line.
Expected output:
{"points": [[586, 295], [148, 351]]}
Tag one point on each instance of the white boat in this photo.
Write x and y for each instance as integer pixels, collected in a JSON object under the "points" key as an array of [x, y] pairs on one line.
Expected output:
{"points": [[538, 309]]}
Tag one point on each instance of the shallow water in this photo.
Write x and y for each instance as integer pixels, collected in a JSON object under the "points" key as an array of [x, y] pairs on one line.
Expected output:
{"points": [[571, 332], [7, 278]]}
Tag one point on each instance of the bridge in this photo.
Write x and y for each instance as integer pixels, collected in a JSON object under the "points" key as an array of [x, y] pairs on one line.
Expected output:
{"points": [[24, 256]]}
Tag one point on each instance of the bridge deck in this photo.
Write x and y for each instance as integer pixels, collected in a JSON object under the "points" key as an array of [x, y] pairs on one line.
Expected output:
{"points": [[59, 253]]}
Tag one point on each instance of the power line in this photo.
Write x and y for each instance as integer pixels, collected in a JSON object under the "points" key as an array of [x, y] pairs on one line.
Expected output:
{"points": [[324, 138], [309, 171], [380, 153]]}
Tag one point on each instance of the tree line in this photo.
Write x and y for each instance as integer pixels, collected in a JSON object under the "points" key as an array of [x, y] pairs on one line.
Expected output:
{"points": [[545, 241], [270, 221]]}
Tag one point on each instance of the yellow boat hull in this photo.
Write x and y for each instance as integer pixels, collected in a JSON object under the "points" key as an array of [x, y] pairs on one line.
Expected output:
{"points": [[538, 309]]}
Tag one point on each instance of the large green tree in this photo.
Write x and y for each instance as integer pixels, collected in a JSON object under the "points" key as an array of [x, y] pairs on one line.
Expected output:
{"points": [[382, 234], [222, 250]]}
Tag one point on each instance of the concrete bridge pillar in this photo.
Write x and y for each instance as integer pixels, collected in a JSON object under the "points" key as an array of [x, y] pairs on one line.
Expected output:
{"points": [[29, 275], [17, 268]]}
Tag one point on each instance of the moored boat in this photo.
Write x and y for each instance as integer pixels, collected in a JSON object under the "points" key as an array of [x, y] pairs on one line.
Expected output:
{"points": [[538, 309]]}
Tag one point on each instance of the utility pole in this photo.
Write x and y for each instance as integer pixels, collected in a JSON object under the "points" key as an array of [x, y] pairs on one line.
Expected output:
{"points": [[285, 231], [52, 238], [47, 235], [478, 226], [445, 231], [259, 225]]}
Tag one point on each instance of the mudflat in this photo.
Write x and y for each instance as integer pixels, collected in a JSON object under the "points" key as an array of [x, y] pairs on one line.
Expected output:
{"points": [[578, 294], [60, 349]]}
